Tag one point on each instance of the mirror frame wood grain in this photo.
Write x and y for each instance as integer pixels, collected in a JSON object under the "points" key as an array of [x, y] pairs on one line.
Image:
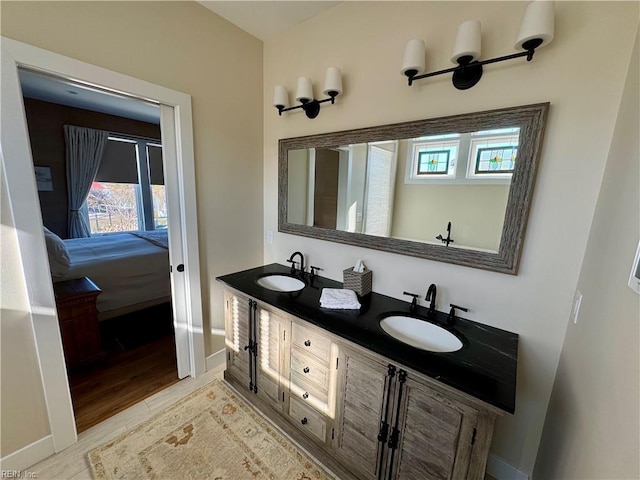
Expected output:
{"points": [[531, 119]]}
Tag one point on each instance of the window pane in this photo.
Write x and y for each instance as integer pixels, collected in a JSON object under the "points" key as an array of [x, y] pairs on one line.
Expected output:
{"points": [[496, 159], [159, 206], [113, 207], [433, 162]]}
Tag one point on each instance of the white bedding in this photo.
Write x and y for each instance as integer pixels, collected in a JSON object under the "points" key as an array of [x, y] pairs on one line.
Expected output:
{"points": [[128, 269]]}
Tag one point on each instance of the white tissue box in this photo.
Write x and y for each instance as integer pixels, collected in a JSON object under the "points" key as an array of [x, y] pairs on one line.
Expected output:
{"points": [[359, 282]]}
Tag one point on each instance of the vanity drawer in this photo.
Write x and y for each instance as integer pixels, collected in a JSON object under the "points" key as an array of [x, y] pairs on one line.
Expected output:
{"points": [[306, 366], [307, 419], [301, 387], [311, 342]]}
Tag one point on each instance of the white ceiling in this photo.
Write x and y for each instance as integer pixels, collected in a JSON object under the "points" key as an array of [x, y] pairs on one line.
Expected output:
{"points": [[265, 19], [262, 19], [65, 92]]}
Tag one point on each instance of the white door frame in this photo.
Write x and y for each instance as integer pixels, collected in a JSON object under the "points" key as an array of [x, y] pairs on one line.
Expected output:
{"points": [[18, 167]]}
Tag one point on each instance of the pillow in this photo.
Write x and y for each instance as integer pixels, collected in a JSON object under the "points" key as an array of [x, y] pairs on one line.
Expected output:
{"points": [[59, 261]]}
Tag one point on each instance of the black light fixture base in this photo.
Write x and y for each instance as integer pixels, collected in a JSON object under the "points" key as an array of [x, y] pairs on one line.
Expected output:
{"points": [[311, 109], [466, 76]]}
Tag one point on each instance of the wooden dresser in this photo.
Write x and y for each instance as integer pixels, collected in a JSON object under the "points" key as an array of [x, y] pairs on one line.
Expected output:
{"points": [[78, 317]]}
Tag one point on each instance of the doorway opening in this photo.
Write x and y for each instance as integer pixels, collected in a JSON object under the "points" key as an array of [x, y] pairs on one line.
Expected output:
{"points": [[112, 282]]}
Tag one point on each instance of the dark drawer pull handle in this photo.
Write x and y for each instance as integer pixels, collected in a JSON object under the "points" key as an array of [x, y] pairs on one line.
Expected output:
{"points": [[305, 395], [305, 369], [304, 421], [307, 343]]}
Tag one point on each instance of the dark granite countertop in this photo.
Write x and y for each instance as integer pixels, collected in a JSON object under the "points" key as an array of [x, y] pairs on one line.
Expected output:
{"points": [[485, 367]]}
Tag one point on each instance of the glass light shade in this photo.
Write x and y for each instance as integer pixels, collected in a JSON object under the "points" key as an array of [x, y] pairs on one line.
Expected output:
{"points": [[537, 23], [304, 92], [333, 81], [467, 42], [280, 96], [413, 58]]}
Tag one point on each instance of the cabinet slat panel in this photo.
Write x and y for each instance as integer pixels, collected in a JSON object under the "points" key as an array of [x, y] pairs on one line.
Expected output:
{"points": [[270, 356], [363, 398], [237, 335], [430, 437]]}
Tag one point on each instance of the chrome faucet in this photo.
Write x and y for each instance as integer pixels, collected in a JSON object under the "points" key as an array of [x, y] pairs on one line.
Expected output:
{"points": [[431, 297], [293, 262]]}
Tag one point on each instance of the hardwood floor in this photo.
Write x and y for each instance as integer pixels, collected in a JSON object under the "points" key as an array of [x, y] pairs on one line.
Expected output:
{"points": [[125, 378]]}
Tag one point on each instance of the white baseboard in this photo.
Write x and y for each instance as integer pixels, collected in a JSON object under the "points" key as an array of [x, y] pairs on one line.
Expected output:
{"points": [[216, 359], [501, 470], [28, 456]]}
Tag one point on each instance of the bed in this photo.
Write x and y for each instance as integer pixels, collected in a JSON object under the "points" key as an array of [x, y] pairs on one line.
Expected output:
{"points": [[131, 269]]}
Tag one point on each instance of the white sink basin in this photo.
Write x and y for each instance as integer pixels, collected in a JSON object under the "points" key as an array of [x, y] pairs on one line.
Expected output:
{"points": [[420, 334], [280, 283]]}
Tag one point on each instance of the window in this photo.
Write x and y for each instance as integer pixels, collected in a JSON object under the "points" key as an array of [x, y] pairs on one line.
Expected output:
{"points": [[495, 159], [434, 157], [482, 157], [493, 154], [128, 192]]}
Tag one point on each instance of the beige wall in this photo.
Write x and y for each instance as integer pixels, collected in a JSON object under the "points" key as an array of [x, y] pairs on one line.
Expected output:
{"points": [[183, 46], [366, 40], [592, 429], [24, 414]]}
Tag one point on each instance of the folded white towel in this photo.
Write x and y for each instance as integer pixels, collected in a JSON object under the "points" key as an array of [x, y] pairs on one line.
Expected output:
{"points": [[339, 298]]}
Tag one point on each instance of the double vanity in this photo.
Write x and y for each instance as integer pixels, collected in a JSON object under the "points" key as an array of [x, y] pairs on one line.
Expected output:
{"points": [[374, 393]]}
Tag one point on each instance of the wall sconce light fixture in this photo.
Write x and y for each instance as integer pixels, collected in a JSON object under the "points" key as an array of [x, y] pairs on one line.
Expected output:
{"points": [[304, 94], [536, 30]]}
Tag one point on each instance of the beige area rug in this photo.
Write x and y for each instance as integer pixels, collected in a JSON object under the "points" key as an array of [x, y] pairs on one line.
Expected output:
{"points": [[211, 434]]}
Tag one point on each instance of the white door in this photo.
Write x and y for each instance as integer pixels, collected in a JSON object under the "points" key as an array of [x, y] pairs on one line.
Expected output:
{"points": [[176, 229]]}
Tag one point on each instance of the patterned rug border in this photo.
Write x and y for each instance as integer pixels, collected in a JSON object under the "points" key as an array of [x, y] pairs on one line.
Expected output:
{"points": [[93, 455]]}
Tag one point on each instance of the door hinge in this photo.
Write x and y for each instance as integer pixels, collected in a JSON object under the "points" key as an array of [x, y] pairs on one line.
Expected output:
{"points": [[384, 432], [473, 437], [333, 432], [337, 362], [284, 335], [229, 356], [283, 396]]}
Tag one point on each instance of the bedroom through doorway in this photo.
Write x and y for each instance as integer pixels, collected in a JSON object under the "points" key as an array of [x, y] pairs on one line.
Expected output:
{"points": [[106, 229]]}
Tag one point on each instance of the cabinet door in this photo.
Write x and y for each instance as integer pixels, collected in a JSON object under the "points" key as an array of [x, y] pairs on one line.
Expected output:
{"points": [[272, 346], [362, 397], [237, 336], [435, 437]]}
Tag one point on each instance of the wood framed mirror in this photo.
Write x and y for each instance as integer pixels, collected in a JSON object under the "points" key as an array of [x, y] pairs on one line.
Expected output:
{"points": [[454, 189]]}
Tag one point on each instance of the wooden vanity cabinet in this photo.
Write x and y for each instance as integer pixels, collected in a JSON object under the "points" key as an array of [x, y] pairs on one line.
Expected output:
{"points": [[256, 344], [392, 423], [365, 416]]}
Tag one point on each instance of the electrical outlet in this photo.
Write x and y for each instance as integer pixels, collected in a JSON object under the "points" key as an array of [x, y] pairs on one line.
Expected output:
{"points": [[270, 237], [577, 301]]}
